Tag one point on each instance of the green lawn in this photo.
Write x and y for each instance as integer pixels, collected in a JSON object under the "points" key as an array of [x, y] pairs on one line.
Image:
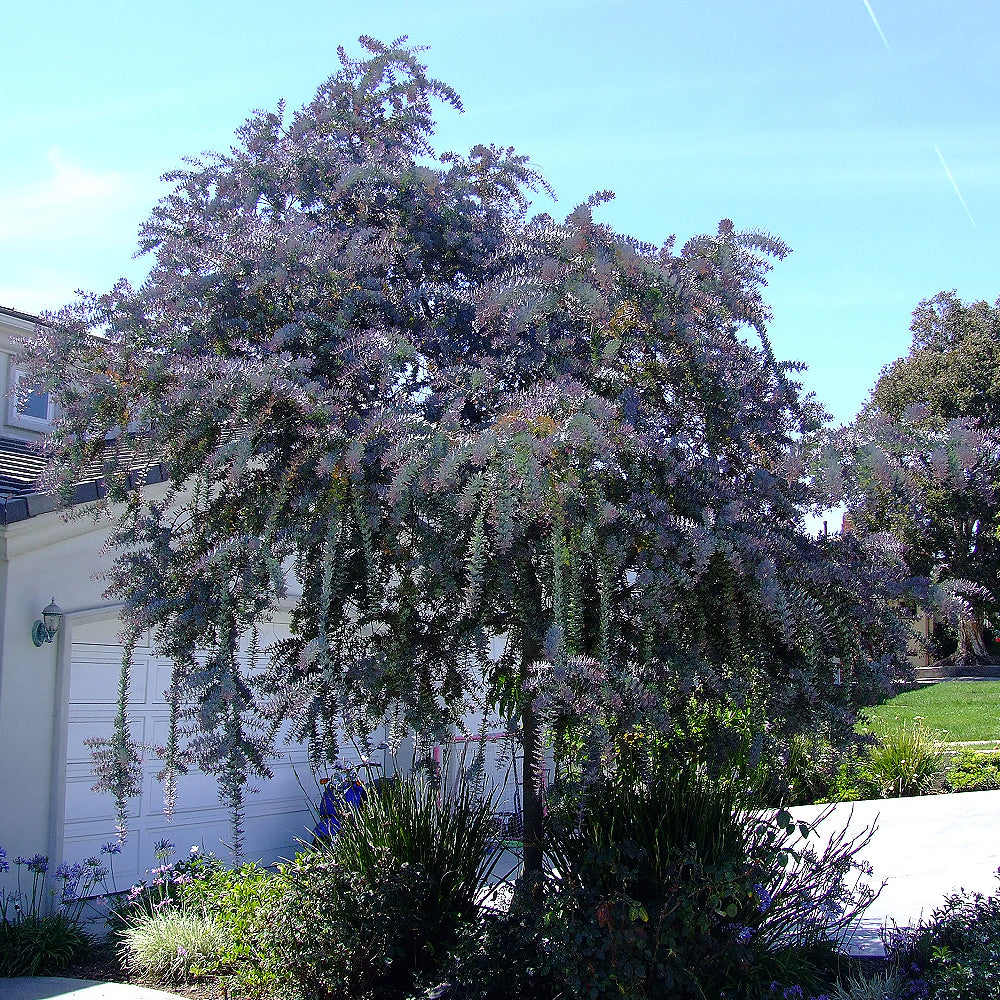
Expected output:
{"points": [[964, 710]]}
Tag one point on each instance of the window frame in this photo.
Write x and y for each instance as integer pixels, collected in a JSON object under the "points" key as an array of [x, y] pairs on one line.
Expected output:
{"points": [[15, 418]]}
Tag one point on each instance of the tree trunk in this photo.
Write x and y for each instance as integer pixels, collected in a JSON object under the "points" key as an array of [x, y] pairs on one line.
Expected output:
{"points": [[531, 796], [972, 644]]}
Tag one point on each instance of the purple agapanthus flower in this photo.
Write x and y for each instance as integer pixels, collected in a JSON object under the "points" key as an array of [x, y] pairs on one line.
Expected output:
{"points": [[163, 848], [69, 872], [764, 898], [112, 847], [4, 863], [38, 864]]}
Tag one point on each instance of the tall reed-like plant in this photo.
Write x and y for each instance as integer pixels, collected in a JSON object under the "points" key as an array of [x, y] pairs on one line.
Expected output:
{"points": [[382, 905], [452, 839]]}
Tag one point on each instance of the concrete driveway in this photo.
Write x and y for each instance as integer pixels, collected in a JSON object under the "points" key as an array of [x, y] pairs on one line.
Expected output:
{"points": [[52, 987], [925, 848]]}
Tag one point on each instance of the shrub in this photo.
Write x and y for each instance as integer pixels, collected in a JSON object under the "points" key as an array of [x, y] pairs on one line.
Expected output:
{"points": [[974, 771], [956, 953], [502, 957], [904, 760], [804, 772], [385, 902], [680, 885], [172, 945], [850, 782], [233, 900]]}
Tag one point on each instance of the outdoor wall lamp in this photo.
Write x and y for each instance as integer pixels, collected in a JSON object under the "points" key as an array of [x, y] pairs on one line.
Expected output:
{"points": [[44, 630]]}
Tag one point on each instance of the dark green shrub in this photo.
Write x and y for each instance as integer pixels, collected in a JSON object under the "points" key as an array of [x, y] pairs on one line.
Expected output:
{"points": [[679, 885], [974, 771], [384, 904], [956, 953], [502, 957], [41, 945]]}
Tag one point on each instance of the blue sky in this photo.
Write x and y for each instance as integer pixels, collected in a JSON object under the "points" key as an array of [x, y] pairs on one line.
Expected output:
{"points": [[797, 117]]}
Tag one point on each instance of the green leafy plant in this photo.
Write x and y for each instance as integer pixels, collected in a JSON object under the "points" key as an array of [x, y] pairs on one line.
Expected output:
{"points": [[172, 945], [973, 771], [233, 900]]}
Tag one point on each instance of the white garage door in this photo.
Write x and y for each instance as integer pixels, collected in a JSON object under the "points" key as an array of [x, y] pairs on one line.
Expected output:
{"points": [[275, 816]]}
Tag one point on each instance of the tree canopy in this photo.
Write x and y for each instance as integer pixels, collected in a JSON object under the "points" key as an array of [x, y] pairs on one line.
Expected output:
{"points": [[372, 375], [953, 366], [927, 461]]}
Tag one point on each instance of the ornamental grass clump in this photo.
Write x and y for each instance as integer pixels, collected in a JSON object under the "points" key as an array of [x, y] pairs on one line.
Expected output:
{"points": [[381, 906], [904, 760], [172, 946]]}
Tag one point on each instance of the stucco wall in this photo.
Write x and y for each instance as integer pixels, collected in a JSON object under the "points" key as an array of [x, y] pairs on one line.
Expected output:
{"points": [[41, 558]]}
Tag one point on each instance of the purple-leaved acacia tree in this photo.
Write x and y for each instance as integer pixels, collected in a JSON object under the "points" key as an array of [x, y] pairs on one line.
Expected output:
{"points": [[364, 359]]}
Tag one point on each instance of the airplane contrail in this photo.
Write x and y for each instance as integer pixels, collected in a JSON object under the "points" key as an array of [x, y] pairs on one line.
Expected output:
{"points": [[878, 27], [953, 184]]}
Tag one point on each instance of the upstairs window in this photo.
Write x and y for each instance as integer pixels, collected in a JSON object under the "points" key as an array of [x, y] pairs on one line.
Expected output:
{"points": [[25, 407]]}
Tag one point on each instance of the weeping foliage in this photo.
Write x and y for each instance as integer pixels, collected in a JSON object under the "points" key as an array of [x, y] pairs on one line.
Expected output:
{"points": [[384, 393]]}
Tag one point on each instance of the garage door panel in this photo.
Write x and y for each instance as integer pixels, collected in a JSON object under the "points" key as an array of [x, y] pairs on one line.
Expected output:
{"points": [[196, 793], [265, 830], [291, 778], [93, 670], [79, 729], [160, 674], [84, 805], [275, 817]]}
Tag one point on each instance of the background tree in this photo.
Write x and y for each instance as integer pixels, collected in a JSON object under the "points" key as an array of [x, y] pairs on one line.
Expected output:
{"points": [[361, 359], [932, 421], [953, 367]]}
